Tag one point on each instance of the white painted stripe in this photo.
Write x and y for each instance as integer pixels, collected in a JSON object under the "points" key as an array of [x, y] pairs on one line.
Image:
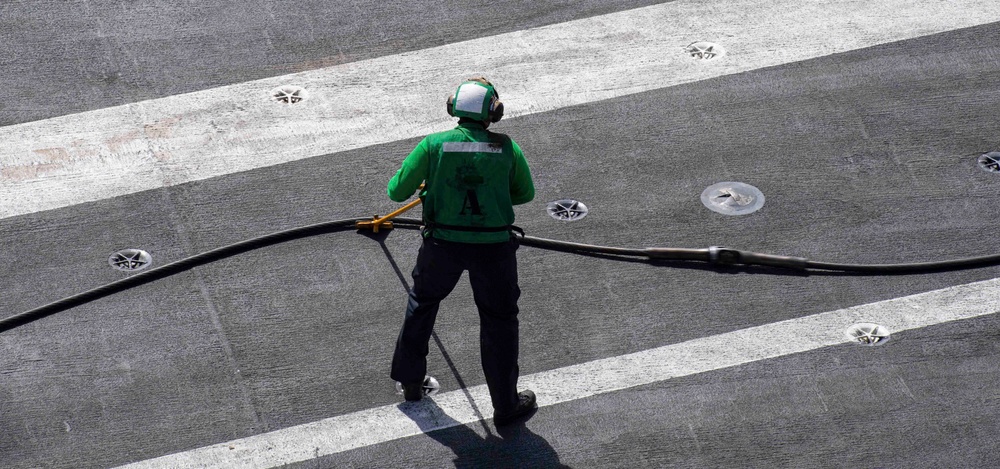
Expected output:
{"points": [[373, 426], [78, 158], [471, 147]]}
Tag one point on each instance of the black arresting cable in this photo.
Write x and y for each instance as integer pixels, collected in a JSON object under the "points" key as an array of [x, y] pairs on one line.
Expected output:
{"points": [[714, 255], [173, 268]]}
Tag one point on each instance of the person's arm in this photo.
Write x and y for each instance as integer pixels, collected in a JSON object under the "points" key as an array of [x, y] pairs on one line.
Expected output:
{"points": [[522, 189], [410, 175]]}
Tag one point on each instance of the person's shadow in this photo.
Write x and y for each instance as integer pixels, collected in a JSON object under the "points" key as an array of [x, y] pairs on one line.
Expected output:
{"points": [[514, 447]]}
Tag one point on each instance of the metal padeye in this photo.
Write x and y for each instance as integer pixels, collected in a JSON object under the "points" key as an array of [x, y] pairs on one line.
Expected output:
{"points": [[867, 333], [130, 260]]}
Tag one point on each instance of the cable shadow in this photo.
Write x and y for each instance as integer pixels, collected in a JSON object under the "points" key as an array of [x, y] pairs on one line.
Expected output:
{"points": [[516, 445], [754, 269], [721, 268], [380, 239], [764, 270], [813, 271], [690, 265]]}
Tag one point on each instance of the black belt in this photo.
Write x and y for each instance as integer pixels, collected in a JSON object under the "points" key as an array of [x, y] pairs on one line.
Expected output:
{"points": [[430, 226]]}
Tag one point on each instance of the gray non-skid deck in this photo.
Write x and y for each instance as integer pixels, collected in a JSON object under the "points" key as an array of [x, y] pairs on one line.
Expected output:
{"points": [[863, 158]]}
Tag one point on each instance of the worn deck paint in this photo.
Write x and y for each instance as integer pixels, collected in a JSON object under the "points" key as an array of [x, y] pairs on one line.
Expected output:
{"points": [[140, 146], [373, 426]]}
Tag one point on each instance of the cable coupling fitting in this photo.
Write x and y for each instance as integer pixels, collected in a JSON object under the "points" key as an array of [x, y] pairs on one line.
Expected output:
{"points": [[724, 256]]}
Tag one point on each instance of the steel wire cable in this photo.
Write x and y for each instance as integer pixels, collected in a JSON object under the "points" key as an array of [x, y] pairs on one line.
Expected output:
{"points": [[171, 269], [714, 255]]}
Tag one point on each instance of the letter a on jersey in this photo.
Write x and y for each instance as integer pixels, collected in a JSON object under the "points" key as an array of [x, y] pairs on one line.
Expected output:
{"points": [[471, 202]]}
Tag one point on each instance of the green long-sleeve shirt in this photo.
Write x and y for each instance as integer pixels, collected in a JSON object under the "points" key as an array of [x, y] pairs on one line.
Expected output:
{"points": [[472, 177]]}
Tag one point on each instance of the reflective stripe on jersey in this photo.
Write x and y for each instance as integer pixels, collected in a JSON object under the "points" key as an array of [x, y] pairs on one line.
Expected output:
{"points": [[471, 147]]}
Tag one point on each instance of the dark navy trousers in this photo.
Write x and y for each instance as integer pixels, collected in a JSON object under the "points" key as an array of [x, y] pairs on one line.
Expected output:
{"points": [[493, 275]]}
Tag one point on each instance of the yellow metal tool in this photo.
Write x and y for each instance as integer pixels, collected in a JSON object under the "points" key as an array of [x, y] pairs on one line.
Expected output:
{"points": [[375, 223]]}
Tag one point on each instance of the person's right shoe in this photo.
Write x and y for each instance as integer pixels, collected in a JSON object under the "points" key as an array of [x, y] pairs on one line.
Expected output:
{"points": [[525, 405], [413, 392]]}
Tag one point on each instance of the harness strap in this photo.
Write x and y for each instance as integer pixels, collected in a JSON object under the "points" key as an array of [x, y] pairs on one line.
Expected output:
{"points": [[430, 226]]}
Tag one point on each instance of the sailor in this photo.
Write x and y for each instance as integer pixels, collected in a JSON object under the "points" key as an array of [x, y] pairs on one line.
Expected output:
{"points": [[473, 178]]}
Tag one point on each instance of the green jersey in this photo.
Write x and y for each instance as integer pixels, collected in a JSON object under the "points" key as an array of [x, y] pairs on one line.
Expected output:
{"points": [[472, 177]]}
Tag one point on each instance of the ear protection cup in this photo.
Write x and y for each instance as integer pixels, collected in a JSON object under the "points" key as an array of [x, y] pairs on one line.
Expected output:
{"points": [[496, 108], [450, 103]]}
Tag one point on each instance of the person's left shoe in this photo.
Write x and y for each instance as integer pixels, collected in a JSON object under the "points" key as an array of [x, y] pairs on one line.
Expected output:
{"points": [[416, 391]]}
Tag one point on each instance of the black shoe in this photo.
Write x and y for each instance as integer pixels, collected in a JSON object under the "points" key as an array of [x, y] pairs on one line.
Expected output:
{"points": [[414, 391], [525, 405]]}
